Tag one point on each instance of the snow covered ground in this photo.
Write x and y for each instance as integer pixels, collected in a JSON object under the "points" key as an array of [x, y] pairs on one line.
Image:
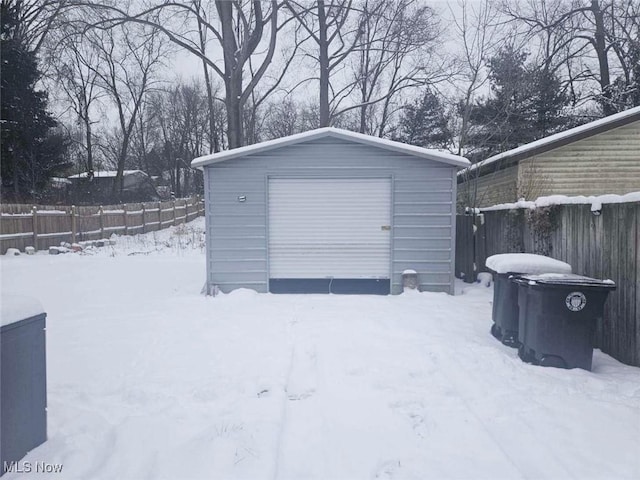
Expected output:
{"points": [[149, 379]]}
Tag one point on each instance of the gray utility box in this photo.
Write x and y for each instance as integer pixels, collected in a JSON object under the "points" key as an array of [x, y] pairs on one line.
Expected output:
{"points": [[505, 293], [558, 318], [23, 387]]}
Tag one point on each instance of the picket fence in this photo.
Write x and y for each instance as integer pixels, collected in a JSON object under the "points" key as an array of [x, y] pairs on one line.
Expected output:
{"points": [[43, 226]]}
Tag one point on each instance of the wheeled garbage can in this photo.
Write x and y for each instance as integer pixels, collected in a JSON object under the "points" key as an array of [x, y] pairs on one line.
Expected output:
{"points": [[558, 318], [505, 292]]}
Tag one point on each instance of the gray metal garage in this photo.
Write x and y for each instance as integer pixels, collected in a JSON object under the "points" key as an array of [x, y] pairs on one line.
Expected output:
{"points": [[330, 211]]}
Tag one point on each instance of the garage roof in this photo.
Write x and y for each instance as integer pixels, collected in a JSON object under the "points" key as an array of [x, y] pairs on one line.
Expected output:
{"points": [[399, 147]]}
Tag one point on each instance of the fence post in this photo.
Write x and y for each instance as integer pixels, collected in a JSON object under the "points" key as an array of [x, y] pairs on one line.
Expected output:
{"points": [[74, 226], [174, 213], [143, 219], [124, 217], [159, 215], [34, 213], [100, 213]]}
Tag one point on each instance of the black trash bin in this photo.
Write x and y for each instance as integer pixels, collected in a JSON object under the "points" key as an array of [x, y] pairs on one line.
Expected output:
{"points": [[505, 309], [505, 292], [558, 318]]}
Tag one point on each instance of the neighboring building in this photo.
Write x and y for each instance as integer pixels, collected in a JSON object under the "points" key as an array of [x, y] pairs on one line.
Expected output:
{"points": [[330, 211], [56, 192], [597, 158], [137, 187]]}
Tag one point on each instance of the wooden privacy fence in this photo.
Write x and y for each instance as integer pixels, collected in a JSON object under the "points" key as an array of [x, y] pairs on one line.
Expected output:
{"points": [[42, 226], [603, 245]]}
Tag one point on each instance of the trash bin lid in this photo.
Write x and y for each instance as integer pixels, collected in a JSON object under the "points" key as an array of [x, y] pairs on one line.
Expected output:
{"points": [[566, 279], [525, 263]]}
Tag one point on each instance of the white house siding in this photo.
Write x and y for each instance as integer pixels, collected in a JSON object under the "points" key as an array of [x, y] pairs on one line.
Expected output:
{"points": [[608, 162], [423, 220]]}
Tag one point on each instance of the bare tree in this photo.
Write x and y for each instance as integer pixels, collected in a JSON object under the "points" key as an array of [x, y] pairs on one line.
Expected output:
{"points": [[624, 36], [478, 31], [365, 54], [127, 63], [397, 52], [74, 66], [202, 22], [282, 118], [37, 19], [179, 130], [239, 40], [335, 31], [244, 30], [584, 37]]}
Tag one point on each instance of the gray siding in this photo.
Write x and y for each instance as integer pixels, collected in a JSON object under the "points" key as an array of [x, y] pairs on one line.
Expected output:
{"points": [[422, 196]]}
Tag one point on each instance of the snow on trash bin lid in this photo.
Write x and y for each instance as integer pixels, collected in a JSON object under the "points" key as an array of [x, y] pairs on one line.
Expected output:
{"points": [[526, 263], [14, 308], [568, 279]]}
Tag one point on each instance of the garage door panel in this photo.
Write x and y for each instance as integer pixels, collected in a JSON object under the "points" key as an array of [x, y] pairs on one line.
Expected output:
{"points": [[329, 228]]}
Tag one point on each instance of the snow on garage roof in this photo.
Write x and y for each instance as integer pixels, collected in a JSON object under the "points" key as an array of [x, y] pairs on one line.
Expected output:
{"points": [[563, 138], [435, 155]]}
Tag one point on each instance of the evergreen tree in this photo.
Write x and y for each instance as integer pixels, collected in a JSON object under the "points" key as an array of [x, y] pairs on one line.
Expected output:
{"points": [[526, 104], [32, 152], [424, 123]]}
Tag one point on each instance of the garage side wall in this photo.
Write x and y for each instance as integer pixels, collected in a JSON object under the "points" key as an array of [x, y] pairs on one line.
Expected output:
{"points": [[422, 204]]}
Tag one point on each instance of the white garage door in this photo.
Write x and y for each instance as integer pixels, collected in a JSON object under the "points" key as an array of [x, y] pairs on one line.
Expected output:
{"points": [[330, 228]]}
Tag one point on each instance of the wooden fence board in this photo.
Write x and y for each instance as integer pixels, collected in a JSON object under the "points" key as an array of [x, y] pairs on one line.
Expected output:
{"points": [[464, 248], [43, 226]]}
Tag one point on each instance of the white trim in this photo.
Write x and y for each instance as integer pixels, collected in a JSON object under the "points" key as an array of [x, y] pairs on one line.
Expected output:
{"points": [[434, 155]]}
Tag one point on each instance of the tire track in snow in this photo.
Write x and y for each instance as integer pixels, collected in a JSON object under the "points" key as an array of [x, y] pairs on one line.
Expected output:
{"points": [[302, 420], [291, 340]]}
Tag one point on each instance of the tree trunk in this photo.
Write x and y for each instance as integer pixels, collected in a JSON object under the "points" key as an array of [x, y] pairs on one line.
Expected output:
{"points": [[232, 75], [324, 65], [87, 123], [235, 130], [214, 145], [118, 182], [89, 150], [603, 61], [178, 190]]}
